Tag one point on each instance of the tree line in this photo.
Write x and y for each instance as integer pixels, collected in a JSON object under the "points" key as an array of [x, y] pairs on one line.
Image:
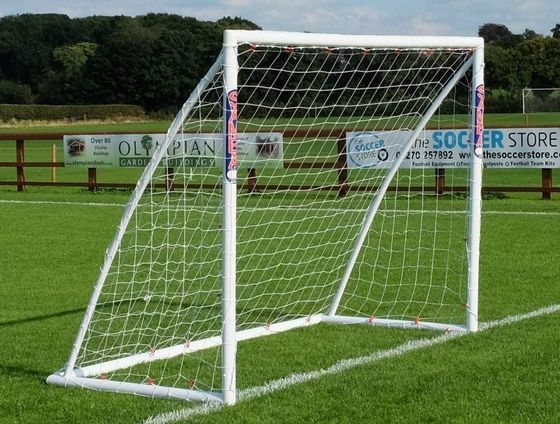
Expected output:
{"points": [[152, 61], [517, 61], [155, 60]]}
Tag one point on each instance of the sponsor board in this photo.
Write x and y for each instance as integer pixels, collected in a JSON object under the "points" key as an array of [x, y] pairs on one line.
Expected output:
{"points": [[191, 150], [499, 148]]}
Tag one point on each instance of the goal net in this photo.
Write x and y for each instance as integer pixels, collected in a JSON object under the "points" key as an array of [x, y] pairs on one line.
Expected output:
{"points": [[541, 100], [296, 186]]}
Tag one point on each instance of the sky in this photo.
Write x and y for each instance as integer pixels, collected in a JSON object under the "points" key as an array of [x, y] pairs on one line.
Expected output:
{"points": [[394, 17]]}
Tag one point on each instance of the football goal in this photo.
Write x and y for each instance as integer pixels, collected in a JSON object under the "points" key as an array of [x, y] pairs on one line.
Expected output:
{"points": [[296, 187], [539, 100]]}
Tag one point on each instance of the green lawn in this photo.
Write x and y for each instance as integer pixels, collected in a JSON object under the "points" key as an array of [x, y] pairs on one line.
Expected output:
{"points": [[50, 256], [53, 241]]}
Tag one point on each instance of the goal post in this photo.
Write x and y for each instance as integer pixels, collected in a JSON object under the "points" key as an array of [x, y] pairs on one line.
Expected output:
{"points": [[540, 100], [205, 262]]}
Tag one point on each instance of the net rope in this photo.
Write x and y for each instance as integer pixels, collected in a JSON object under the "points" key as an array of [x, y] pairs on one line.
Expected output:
{"points": [[300, 207]]}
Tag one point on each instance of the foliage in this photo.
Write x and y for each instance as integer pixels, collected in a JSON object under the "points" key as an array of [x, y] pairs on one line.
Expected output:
{"points": [[152, 61], [501, 101], [514, 62], [53, 112], [494, 33], [13, 92], [155, 60], [556, 31], [71, 58]]}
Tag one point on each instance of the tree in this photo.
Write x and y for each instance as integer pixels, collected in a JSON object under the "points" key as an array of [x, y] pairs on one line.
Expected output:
{"points": [[115, 72], [556, 31], [540, 59], [71, 58], [63, 82], [26, 44], [530, 34], [14, 93], [493, 33], [500, 35]]}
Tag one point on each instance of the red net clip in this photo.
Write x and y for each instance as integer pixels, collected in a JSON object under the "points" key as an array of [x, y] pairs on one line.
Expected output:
{"points": [[289, 50], [417, 321], [365, 52], [267, 326], [328, 50], [371, 320], [152, 351], [428, 52], [253, 48], [103, 377], [187, 344], [150, 381]]}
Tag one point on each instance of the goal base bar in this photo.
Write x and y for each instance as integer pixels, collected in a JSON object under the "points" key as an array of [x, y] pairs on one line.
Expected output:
{"points": [[191, 347], [95, 370], [396, 323], [87, 377], [148, 390]]}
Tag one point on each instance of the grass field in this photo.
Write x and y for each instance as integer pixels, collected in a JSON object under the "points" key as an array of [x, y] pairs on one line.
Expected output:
{"points": [[50, 254], [52, 244]]}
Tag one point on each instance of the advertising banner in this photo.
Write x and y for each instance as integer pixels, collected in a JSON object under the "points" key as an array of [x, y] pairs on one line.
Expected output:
{"points": [[502, 148], [136, 150]]}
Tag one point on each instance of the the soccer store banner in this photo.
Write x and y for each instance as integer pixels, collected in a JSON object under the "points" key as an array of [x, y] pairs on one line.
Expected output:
{"points": [[502, 148], [136, 150]]}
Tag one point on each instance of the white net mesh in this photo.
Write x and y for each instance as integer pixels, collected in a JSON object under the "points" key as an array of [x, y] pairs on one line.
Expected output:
{"points": [[301, 204]]}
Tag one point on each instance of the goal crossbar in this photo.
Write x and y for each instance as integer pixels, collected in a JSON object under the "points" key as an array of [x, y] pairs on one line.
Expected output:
{"points": [[236, 37]]}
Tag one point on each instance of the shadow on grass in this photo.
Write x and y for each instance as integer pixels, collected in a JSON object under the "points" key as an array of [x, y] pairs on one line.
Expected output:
{"points": [[21, 371], [41, 317]]}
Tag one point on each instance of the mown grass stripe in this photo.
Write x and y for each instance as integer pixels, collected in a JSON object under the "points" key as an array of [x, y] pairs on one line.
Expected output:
{"points": [[121, 205], [60, 203], [343, 365]]}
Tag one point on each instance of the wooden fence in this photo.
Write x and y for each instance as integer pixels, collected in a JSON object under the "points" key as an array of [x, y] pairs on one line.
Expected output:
{"points": [[342, 185]]}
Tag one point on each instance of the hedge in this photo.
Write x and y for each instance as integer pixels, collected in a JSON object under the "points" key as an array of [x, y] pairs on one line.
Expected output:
{"points": [[56, 112]]}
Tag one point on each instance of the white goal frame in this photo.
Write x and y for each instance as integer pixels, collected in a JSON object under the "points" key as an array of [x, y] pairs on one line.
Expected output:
{"points": [[70, 376], [526, 91]]}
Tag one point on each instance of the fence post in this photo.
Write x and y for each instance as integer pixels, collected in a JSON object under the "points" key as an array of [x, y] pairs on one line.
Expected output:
{"points": [[440, 181], [546, 183], [92, 179], [342, 165], [53, 160], [251, 180], [20, 159]]}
